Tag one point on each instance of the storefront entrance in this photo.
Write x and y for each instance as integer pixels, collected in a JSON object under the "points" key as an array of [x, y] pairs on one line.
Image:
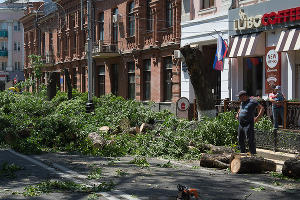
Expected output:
{"points": [[253, 75]]}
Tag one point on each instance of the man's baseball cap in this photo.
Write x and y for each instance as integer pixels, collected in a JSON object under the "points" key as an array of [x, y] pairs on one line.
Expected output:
{"points": [[241, 93]]}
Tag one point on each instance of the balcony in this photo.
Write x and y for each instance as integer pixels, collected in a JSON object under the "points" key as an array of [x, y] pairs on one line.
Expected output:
{"points": [[49, 59], [101, 50], [4, 53], [3, 33]]}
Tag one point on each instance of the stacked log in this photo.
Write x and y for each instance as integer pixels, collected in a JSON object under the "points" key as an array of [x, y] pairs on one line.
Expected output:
{"points": [[242, 163], [220, 161], [291, 168]]}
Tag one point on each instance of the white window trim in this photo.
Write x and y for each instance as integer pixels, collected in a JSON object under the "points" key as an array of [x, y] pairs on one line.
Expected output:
{"points": [[241, 3], [207, 10]]}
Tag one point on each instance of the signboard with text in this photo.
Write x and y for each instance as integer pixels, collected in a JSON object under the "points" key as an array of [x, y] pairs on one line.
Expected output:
{"points": [[273, 68]]}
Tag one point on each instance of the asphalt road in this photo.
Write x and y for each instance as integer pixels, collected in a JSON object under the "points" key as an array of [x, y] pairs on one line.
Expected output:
{"points": [[133, 182]]}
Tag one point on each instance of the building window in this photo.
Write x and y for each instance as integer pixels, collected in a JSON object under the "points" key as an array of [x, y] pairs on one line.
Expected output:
{"points": [[19, 46], [168, 78], [169, 13], [115, 25], [131, 80], [15, 46], [114, 79], [147, 79], [207, 4], [4, 26], [101, 77], [16, 66], [131, 19], [149, 17], [3, 45], [101, 26]]}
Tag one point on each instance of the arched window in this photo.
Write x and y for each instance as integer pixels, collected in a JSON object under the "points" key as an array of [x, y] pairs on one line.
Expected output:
{"points": [[115, 25], [131, 19], [149, 16], [169, 13]]}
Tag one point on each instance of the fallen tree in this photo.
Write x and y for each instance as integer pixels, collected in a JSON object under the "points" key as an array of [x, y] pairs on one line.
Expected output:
{"points": [[242, 163], [291, 168]]}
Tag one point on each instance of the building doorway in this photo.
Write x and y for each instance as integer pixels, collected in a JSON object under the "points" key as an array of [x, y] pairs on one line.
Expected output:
{"points": [[253, 75]]}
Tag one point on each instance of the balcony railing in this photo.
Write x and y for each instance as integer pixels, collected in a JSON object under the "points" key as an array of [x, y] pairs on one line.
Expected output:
{"points": [[101, 50], [4, 53], [3, 33], [291, 112]]}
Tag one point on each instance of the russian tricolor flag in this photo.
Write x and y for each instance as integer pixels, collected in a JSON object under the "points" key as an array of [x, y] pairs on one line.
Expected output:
{"points": [[221, 53]]}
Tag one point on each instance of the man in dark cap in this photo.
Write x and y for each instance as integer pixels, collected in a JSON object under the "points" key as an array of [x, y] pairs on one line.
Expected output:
{"points": [[247, 119]]}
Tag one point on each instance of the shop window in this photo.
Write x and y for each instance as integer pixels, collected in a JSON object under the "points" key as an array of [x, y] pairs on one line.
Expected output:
{"points": [[115, 25], [207, 4], [101, 26], [169, 13], [147, 79], [131, 80], [114, 79], [101, 78], [253, 75], [149, 17], [168, 78], [131, 19]]}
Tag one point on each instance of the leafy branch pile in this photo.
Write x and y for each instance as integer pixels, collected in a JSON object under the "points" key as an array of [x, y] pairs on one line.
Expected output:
{"points": [[29, 123]]}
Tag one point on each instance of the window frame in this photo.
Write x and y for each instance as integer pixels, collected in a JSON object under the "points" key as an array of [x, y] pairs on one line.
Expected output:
{"points": [[114, 79], [149, 17], [101, 80], [169, 14], [147, 80], [203, 5], [115, 27], [168, 68], [131, 19], [101, 26], [131, 84]]}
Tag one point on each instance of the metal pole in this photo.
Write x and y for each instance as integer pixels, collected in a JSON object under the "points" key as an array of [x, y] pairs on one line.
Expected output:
{"points": [[89, 105]]}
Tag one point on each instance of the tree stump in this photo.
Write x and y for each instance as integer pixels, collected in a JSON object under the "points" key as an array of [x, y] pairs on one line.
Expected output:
{"points": [[291, 168], [241, 163], [220, 161]]}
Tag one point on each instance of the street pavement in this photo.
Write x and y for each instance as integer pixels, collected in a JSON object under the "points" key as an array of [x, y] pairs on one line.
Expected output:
{"points": [[135, 183]]}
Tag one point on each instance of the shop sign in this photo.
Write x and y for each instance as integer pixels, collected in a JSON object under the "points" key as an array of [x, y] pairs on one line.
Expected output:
{"points": [[246, 22], [288, 15], [183, 104], [273, 68], [272, 18]]}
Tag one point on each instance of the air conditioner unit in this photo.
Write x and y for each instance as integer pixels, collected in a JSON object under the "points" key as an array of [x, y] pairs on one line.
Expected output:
{"points": [[177, 54]]}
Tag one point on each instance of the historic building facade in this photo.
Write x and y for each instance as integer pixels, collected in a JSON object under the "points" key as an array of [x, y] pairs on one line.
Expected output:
{"points": [[11, 44], [133, 45]]}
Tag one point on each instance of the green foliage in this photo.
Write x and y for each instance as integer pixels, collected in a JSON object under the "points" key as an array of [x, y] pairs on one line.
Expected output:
{"points": [[95, 173], [30, 123], [141, 162], [8, 170], [264, 124], [58, 186]]}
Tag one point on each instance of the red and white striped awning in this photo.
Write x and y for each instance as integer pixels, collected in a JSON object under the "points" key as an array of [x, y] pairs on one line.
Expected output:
{"points": [[244, 45], [289, 40]]}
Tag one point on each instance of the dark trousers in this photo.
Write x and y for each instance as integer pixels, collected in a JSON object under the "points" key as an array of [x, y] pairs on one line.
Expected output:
{"points": [[247, 132], [277, 111]]}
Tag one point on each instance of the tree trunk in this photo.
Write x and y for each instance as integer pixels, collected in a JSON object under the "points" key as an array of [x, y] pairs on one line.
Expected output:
{"points": [[202, 78], [69, 85], [291, 168], [51, 86], [242, 163], [220, 161]]}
